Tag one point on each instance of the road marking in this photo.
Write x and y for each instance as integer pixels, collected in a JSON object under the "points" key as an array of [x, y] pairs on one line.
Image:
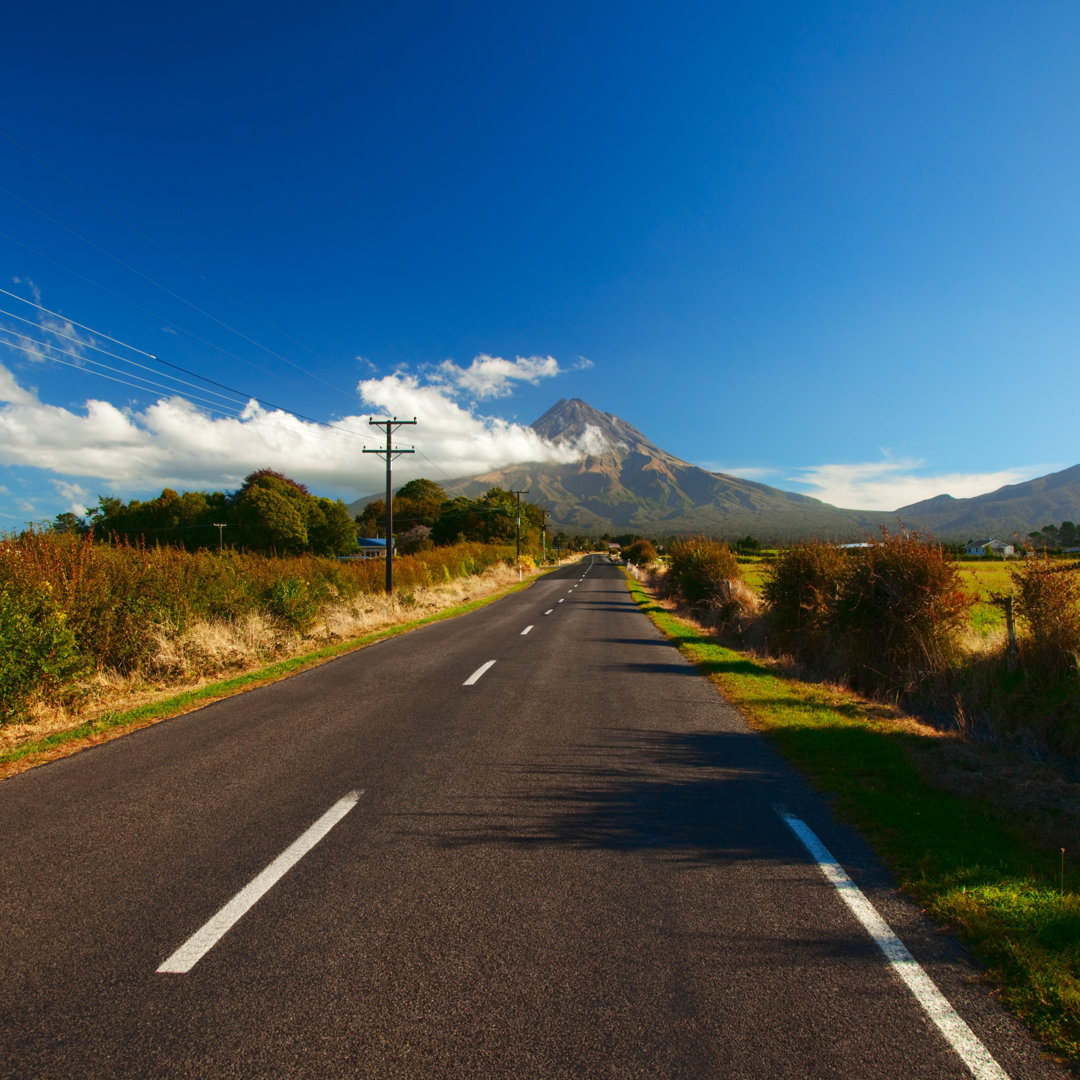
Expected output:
{"points": [[526, 630], [959, 1036], [562, 599], [549, 611], [478, 673], [205, 938]]}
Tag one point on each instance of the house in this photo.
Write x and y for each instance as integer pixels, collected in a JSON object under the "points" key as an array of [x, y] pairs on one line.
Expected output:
{"points": [[370, 547], [990, 547]]}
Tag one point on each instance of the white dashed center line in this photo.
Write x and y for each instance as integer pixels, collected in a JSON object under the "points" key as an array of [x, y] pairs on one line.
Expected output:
{"points": [[549, 611], [204, 939], [478, 673], [526, 630]]}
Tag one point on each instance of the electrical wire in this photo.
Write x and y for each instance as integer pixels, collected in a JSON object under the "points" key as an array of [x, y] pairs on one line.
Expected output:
{"points": [[146, 384], [164, 288], [232, 390], [57, 315], [138, 307], [161, 247]]}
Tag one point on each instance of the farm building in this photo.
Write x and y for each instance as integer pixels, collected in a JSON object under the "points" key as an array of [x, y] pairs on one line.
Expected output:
{"points": [[990, 547]]}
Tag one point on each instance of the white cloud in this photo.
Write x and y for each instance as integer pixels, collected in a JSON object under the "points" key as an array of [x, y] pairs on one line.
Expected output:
{"points": [[76, 497], [492, 376], [754, 472], [11, 391], [888, 485], [460, 441], [173, 443]]}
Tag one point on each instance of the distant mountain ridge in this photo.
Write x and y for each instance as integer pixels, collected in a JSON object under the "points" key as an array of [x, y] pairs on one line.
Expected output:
{"points": [[1013, 510], [623, 482]]}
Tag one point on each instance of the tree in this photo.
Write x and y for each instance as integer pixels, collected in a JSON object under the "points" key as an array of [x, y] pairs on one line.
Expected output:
{"points": [[372, 519], [270, 520], [420, 501], [69, 523], [330, 529], [415, 539]]}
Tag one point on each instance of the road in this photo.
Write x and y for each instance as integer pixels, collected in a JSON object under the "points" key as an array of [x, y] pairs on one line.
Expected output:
{"points": [[571, 862]]}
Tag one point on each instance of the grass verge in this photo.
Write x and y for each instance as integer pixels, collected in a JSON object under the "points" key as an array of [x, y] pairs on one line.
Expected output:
{"points": [[1006, 894], [114, 724]]}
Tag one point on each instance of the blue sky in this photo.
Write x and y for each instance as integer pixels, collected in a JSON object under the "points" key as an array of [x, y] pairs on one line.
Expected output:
{"points": [[829, 246]]}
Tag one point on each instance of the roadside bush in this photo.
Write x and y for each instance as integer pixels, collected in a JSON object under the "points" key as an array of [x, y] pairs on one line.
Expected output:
{"points": [[899, 613], [640, 553], [801, 589], [1048, 604], [37, 650], [886, 617], [293, 600], [705, 575], [116, 601], [698, 570]]}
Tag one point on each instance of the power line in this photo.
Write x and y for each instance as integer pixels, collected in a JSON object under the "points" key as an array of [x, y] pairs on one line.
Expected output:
{"points": [[164, 288], [90, 359], [56, 314], [232, 390], [171, 324], [161, 247]]}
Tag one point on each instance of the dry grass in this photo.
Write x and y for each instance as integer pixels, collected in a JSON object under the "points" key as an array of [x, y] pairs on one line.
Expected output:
{"points": [[207, 650]]}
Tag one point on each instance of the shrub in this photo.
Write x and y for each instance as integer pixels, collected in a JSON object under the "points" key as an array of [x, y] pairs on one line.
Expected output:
{"points": [[705, 574], [899, 613], [294, 601], [801, 590], [37, 650], [640, 553], [1048, 603]]}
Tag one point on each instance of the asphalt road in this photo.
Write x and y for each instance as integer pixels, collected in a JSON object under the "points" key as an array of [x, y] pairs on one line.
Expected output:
{"points": [[574, 866]]}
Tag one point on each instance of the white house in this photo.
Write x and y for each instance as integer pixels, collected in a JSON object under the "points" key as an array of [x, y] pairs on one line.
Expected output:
{"points": [[991, 547]]}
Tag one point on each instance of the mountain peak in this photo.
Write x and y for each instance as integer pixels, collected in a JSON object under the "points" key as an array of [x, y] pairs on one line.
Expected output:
{"points": [[573, 421]]}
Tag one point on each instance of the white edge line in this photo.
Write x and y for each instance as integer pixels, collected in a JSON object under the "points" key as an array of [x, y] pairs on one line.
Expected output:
{"points": [[526, 630], [960, 1037], [207, 936], [478, 673]]}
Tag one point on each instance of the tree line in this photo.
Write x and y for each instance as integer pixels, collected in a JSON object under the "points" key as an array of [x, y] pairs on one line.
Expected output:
{"points": [[1056, 537], [271, 512]]}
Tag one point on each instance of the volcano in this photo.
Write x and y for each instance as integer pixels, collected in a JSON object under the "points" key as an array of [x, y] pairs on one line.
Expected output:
{"points": [[623, 482]]}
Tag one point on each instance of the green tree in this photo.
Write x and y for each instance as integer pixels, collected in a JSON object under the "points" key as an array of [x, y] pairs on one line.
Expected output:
{"points": [[271, 515], [371, 521], [330, 529], [69, 523], [419, 501]]}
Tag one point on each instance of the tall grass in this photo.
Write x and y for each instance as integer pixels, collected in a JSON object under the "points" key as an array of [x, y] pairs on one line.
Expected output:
{"points": [[116, 606]]}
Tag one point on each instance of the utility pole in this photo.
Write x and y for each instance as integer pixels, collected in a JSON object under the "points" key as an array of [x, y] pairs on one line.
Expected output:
{"points": [[519, 494], [219, 525], [390, 453]]}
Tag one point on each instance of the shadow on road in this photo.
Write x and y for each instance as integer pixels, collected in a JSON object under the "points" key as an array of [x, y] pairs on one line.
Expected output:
{"points": [[693, 796]]}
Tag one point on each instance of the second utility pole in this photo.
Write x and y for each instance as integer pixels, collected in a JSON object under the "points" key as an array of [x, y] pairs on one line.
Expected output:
{"points": [[519, 494], [391, 426]]}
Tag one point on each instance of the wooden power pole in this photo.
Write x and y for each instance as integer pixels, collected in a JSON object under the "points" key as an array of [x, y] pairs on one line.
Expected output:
{"points": [[390, 453]]}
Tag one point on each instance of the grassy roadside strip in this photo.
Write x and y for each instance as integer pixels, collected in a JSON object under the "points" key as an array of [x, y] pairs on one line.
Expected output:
{"points": [[1003, 895], [114, 724]]}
